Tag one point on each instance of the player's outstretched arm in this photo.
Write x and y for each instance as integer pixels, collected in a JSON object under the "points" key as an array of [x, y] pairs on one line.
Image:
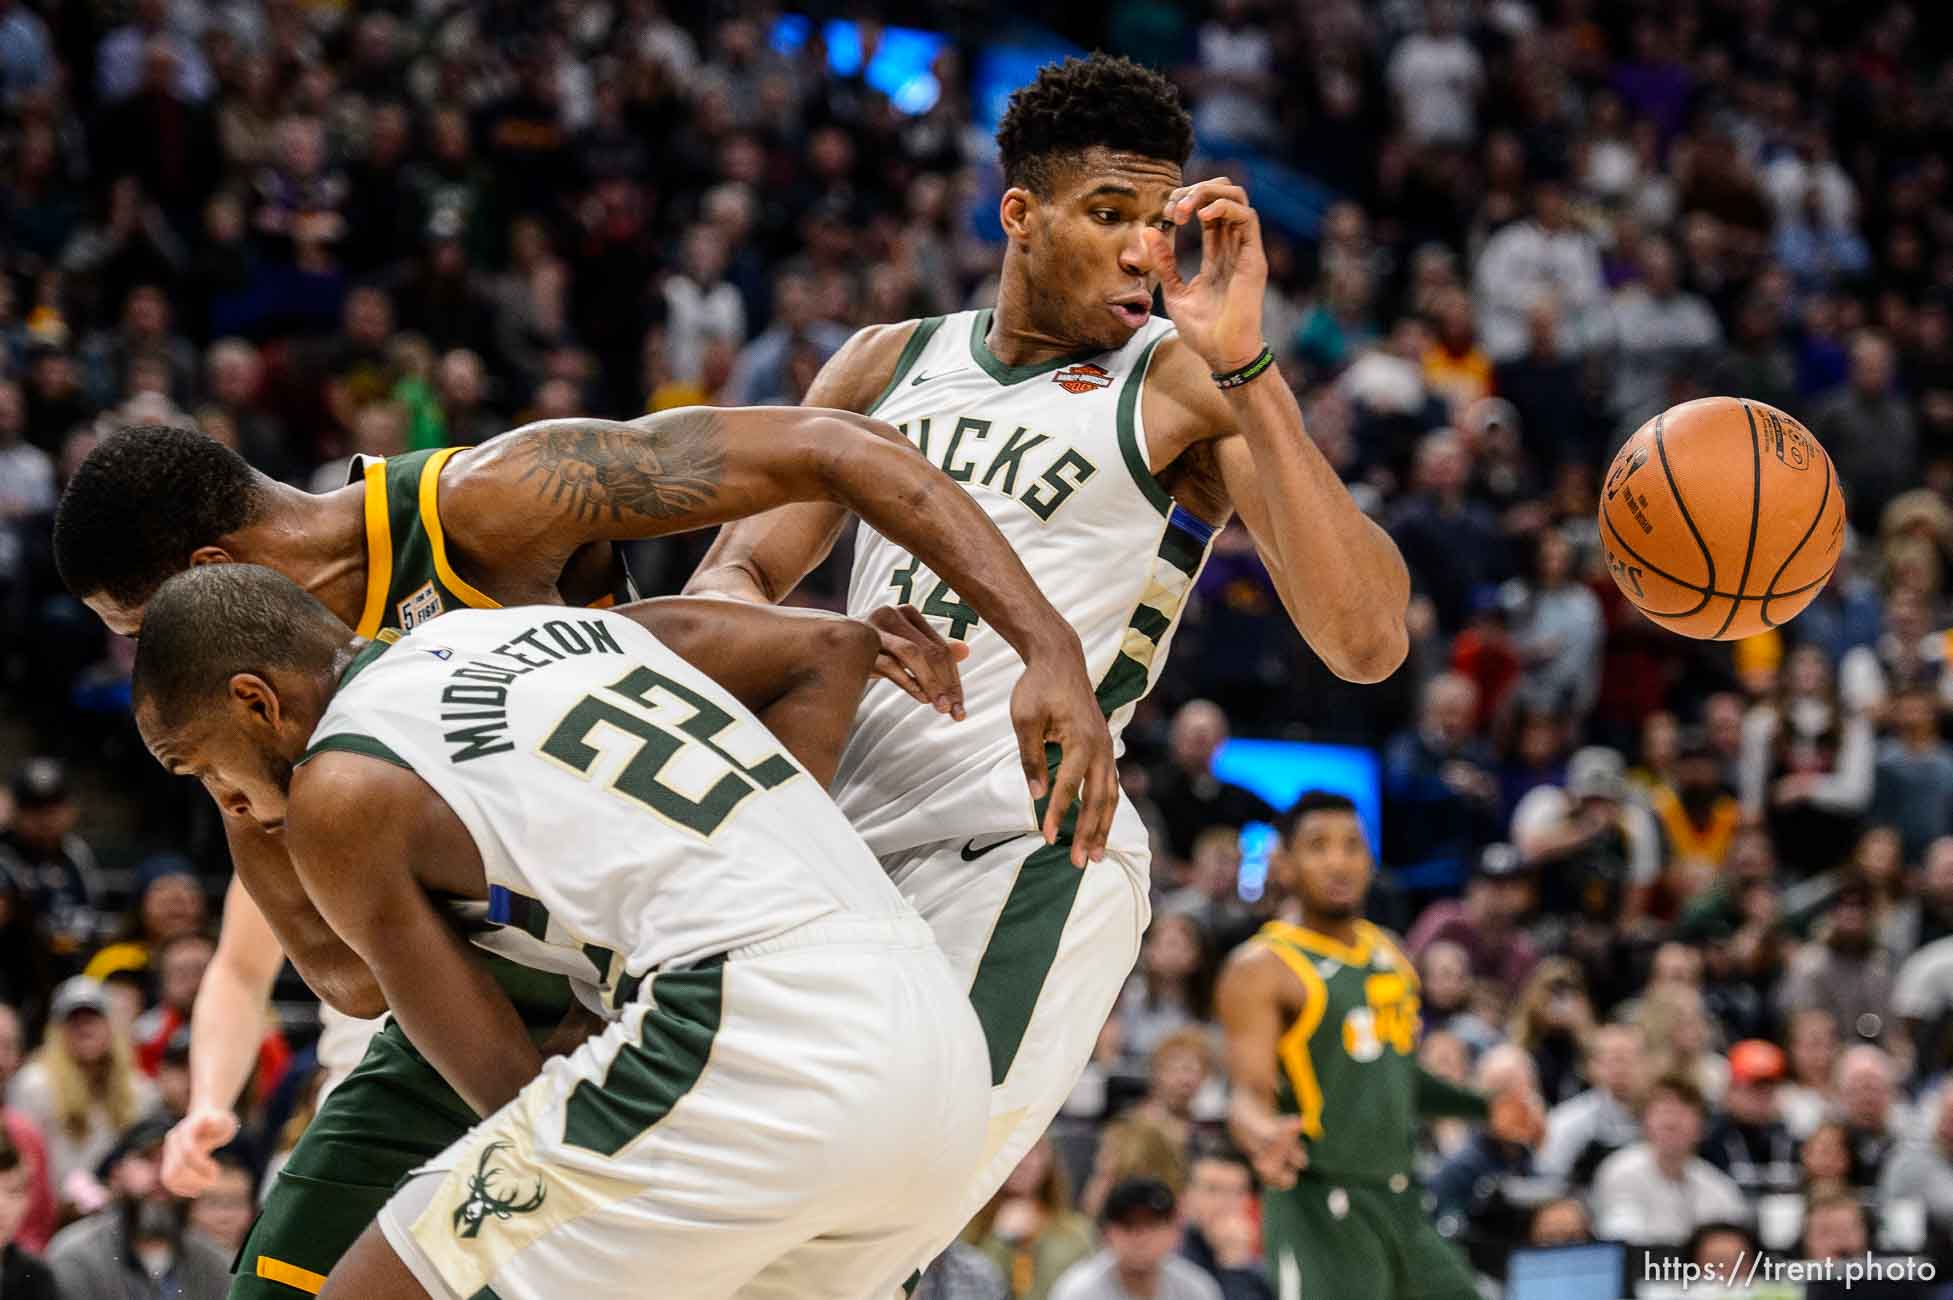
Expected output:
{"points": [[1339, 575], [354, 824], [800, 671], [226, 1026], [543, 490], [1253, 1013]]}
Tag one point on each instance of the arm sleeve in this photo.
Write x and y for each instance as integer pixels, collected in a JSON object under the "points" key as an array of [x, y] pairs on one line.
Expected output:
{"points": [[1849, 788], [1441, 1097]]}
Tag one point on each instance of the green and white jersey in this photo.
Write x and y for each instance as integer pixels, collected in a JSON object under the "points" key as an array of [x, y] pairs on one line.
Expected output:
{"points": [[630, 813], [1055, 454]]}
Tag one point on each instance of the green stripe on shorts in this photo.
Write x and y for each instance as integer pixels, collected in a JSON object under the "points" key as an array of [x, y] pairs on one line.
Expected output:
{"points": [[1023, 945], [647, 1077]]}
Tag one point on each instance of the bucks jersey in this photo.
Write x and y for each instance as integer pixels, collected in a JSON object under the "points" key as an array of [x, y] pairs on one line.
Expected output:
{"points": [[1349, 1060], [1055, 454], [630, 813]]}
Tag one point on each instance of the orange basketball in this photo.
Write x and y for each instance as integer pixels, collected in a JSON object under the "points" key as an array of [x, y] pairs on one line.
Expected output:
{"points": [[1721, 518]]}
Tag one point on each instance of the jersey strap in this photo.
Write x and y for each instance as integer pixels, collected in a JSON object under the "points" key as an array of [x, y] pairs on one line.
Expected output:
{"points": [[925, 330], [1183, 547], [1293, 1049]]}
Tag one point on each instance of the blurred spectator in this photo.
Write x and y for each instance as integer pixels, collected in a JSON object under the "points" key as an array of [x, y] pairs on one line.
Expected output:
{"points": [[1469, 1190], [462, 386], [1808, 764], [1186, 791], [1451, 997], [147, 37], [1211, 898], [1170, 991], [50, 861], [1551, 1021], [145, 334], [1557, 633], [1486, 922], [1141, 1230], [1913, 786], [961, 1272], [38, 1219], [1452, 543], [1544, 256], [222, 1214], [1585, 1129], [1725, 1247], [1598, 848], [21, 1274], [1663, 332], [1870, 1105], [81, 1087], [1440, 797], [1921, 1167], [1846, 972], [1223, 1233], [1658, 1191], [1827, 1160], [1869, 431], [169, 905], [1562, 1221], [699, 303], [1698, 817], [1437, 76], [1746, 1138], [762, 375], [1834, 1228], [1811, 1090], [26, 54], [1543, 382], [137, 1245], [1030, 1230]]}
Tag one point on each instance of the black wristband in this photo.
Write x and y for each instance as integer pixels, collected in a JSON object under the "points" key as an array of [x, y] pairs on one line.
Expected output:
{"points": [[1253, 370]]}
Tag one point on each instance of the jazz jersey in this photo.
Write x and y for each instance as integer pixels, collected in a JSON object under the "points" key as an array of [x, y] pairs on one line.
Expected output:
{"points": [[631, 815], [1055, 454]]}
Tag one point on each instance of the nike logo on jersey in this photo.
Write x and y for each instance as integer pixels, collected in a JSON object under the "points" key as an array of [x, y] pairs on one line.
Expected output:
{"points": [[919, 380], [971, 853]]}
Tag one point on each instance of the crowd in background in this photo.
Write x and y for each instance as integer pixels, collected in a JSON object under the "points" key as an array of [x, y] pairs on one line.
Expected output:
{"points": [[1699, 895]]}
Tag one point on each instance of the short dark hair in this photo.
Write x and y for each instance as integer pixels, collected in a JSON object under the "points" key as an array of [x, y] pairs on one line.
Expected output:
{"points": [[1101, 101], [1313, 801], [209, 623], [141, 502], [1681, 1088]]}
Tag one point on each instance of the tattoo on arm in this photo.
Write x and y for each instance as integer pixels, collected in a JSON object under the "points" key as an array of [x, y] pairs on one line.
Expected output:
{"points": [[597, 469]]}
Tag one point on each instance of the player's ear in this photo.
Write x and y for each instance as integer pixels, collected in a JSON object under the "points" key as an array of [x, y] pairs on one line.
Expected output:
{"points": [[211, 555], [254, 695], [1014, 211]]}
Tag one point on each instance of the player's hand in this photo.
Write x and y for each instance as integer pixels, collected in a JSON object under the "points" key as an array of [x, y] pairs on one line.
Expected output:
{"points": [[1218, 312], [188, 1170], [1273, 1145], [919, 659], [1053, 704]]}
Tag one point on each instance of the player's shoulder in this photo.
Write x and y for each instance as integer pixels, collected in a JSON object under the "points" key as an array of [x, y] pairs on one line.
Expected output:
{"points": [[856, 376]]}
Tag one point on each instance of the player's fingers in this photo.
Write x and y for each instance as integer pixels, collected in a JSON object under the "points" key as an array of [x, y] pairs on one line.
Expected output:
{"points": [[938, 651], [1065, 788], [1030, 752], [889, 668], [932, 677], [1183, 203], [1101, 800], [1160, 260]]}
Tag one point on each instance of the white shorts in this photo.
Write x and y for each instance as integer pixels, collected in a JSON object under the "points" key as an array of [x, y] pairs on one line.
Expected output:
{"points": [[1044, 950], [797, 1121]]}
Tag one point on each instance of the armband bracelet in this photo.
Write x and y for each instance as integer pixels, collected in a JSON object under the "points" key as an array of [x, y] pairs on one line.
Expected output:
{"points": [[1253, 370]]}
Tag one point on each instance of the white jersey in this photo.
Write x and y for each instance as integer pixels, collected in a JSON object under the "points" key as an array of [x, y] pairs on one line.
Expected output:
{"points": [[1056, 456], [630, 814]]}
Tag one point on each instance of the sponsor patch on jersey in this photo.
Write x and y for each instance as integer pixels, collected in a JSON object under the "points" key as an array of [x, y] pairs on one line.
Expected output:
{"points": [[1082, 378], [424, 604]]}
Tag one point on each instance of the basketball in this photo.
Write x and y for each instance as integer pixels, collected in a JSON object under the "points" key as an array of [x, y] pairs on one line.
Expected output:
{"points": [[1721, 518]]}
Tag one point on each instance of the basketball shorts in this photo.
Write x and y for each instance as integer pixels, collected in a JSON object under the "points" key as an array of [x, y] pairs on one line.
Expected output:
{"points": [[1043, 950], [793, 1122]]}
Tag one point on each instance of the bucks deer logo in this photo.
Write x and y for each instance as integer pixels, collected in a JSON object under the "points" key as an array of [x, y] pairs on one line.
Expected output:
{"points": [[485, 1201]]}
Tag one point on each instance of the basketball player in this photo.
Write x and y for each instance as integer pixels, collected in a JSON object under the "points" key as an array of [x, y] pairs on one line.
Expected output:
{"points": [[432, 531], [790, 1094], [1108, 445], [1321, 1014]]}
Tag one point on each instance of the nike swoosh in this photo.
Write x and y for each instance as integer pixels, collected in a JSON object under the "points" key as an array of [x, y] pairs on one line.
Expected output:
{"points": [[922, 379], [991, 847]]}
